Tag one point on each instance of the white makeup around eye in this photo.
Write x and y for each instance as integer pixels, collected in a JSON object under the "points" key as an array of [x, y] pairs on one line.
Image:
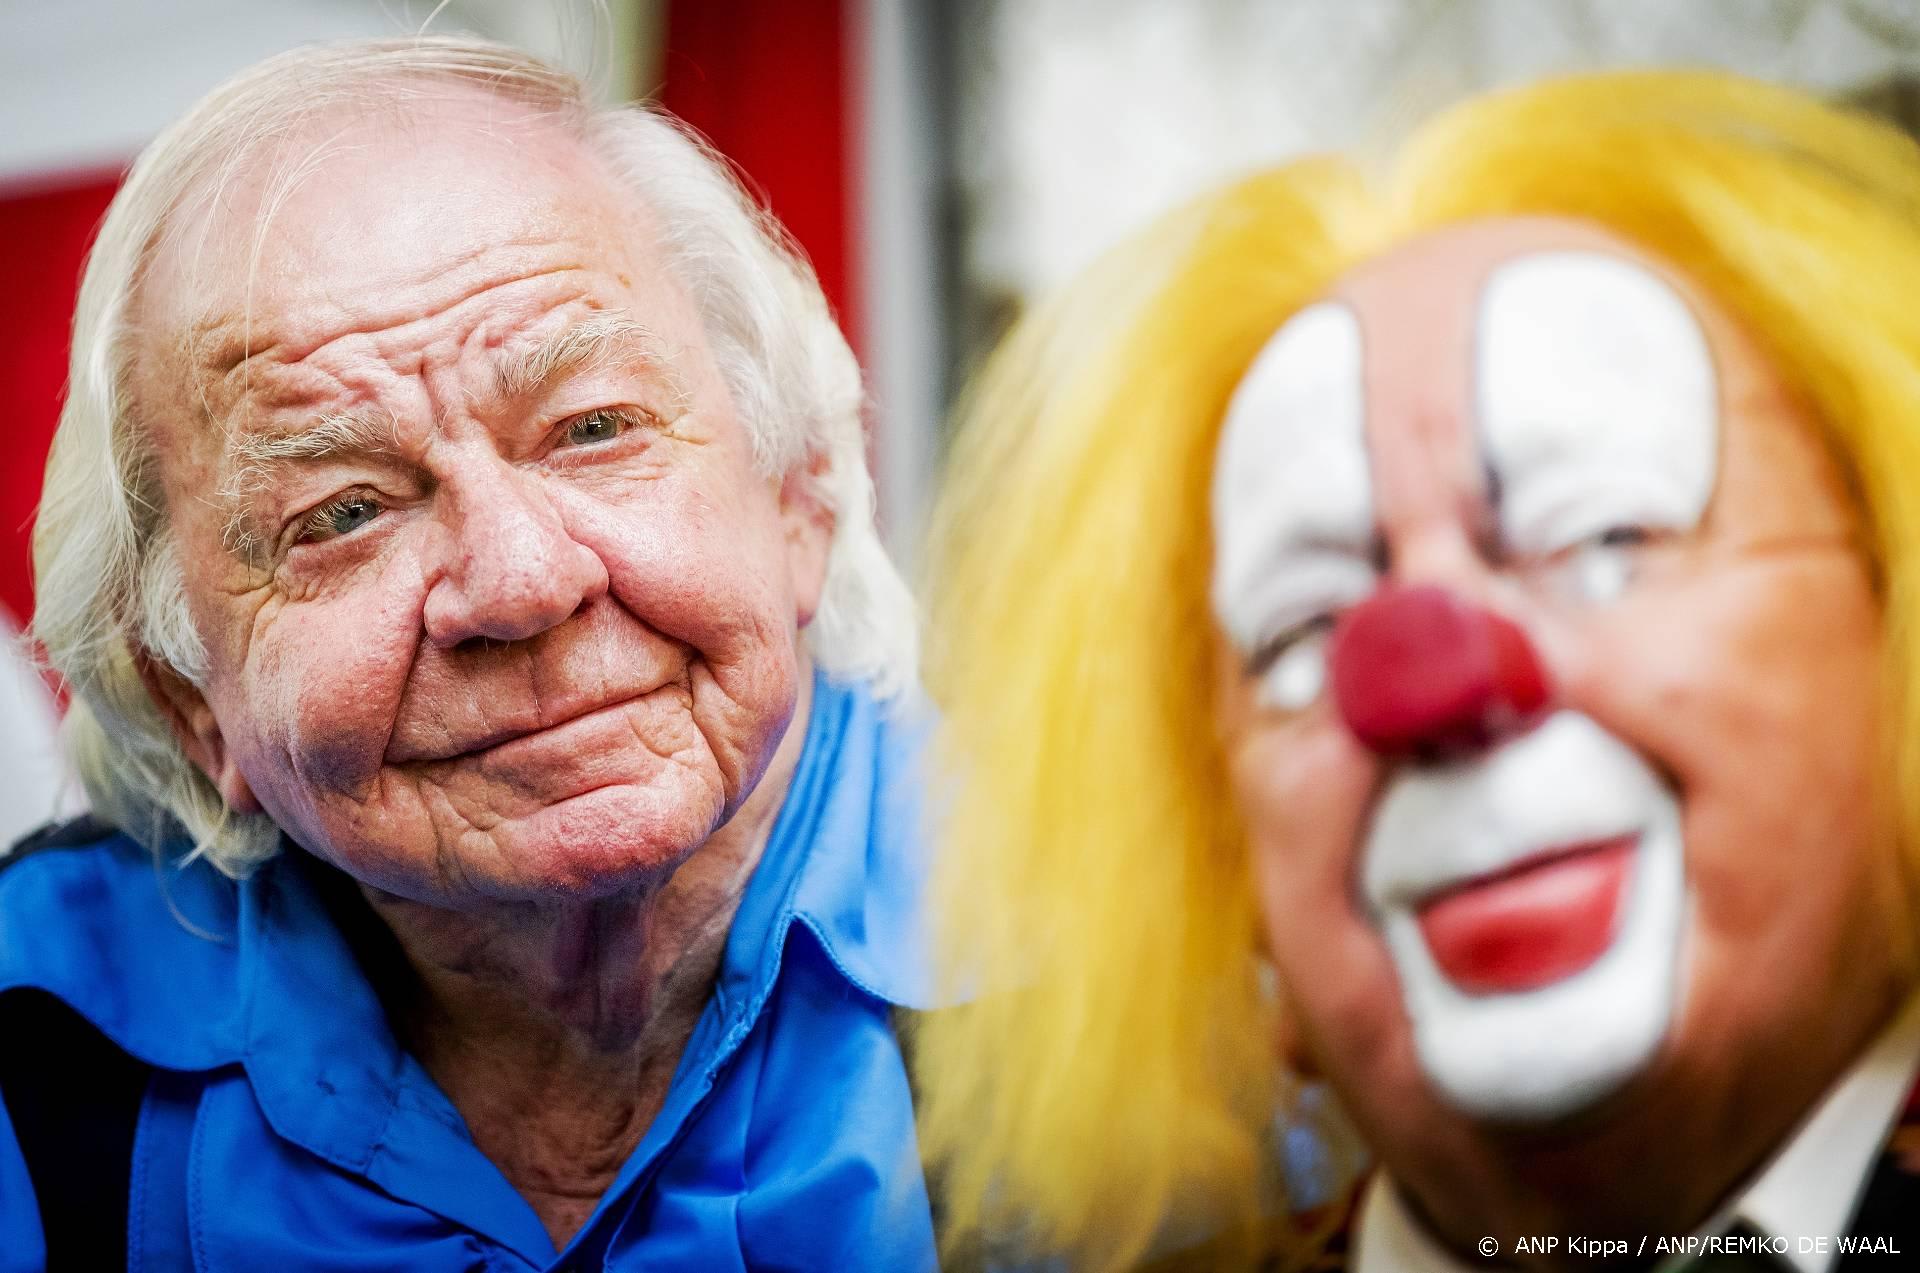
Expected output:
{"points": [[1599, 572], [1293, 496], [1598, 405], [1297, 674]]}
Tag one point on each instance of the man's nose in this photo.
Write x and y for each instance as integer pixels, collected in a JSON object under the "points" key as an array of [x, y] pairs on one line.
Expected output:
{"points": [[513, 570], [1420, 672]]}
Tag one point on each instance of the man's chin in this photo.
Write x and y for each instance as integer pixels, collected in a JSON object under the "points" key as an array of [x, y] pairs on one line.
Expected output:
{"points": [[599, 844]]}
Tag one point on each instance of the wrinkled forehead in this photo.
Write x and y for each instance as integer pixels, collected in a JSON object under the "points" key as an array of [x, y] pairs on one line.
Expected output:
{"points": [[360, 213]]}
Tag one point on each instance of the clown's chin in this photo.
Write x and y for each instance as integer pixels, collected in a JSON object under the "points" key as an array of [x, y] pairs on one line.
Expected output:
{"points": [[1537, 982]]}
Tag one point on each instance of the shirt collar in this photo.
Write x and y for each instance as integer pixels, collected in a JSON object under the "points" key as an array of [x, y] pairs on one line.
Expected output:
{"points": [[1390, 1240], [1813, 1184], [319, 1050], [1810, 1187], [146, 950], [846, 856], [863, 888]]}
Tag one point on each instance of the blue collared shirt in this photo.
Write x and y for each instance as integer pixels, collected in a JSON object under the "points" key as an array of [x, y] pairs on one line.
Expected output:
{"points": [[284, 1127]]}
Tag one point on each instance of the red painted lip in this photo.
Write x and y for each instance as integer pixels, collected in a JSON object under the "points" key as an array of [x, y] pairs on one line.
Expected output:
{"points": [[1533, 924]]}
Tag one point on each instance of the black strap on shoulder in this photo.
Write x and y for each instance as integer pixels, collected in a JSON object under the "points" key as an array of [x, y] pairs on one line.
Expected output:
{"points": [[75, 833], [74, 1099]]}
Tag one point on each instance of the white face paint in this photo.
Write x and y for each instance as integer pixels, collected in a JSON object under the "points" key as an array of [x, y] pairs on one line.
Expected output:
{"points": [[1597, 405], [1543, 1052], [1598, 415], [1293, 501]]}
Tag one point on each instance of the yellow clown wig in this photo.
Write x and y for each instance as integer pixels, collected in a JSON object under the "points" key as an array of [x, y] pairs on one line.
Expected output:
{"points": [[1110, 1089]]}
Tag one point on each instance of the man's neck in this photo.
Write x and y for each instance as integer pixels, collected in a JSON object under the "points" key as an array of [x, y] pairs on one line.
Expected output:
{"points": [[556, 1029]]}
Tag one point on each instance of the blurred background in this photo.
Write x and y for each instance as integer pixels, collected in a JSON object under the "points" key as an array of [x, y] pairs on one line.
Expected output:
{"points": [[941, 161]]}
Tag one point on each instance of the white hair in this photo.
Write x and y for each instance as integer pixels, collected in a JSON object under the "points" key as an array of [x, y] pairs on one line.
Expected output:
{"points": [[109, 586]]}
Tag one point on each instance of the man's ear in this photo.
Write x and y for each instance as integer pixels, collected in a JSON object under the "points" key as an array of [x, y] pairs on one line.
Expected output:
{"points": [[198, 733], [809, 525]]}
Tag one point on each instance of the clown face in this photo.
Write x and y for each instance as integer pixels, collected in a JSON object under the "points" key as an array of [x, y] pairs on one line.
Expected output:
{"points": [[1551, 700]]}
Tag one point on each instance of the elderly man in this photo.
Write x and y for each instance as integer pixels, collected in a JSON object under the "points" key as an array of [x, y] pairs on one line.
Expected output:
{"points": [[459, 544]]}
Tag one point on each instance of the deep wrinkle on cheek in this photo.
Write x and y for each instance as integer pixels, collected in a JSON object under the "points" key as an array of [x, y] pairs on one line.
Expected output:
{"points": [[619, 482], [669, 553], [339, 711], [300, 580]]}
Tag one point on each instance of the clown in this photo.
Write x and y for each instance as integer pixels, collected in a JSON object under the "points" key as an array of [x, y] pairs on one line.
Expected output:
{"points": [[1486, 592]]}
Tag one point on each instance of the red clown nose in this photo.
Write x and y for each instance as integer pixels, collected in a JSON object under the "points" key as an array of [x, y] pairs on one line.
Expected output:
{"points": [[1419, 672]]}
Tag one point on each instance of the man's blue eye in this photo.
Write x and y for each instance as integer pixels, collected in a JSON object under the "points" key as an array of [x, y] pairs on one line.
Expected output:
{"points": [[339, 517], [595, 426]]}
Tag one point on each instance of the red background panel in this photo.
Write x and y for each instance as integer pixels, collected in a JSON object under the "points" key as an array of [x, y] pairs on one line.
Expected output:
{"points": [[766, 81], [44, 235]]}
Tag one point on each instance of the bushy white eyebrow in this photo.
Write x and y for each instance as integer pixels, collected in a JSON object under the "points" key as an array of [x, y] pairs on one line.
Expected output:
{"points": [[1293, 518], [1597, 400], [600, 338], [253, 459], [336, 433]]}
